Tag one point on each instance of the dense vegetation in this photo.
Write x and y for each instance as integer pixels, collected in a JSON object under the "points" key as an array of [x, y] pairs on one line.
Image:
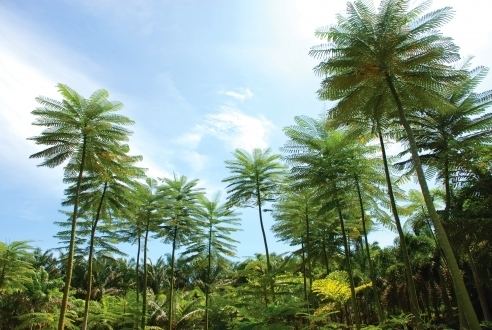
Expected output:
{"points": [[394, 78]]}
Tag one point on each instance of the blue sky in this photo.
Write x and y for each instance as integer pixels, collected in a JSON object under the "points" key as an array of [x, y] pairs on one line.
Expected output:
{"points": [[200, 78]]}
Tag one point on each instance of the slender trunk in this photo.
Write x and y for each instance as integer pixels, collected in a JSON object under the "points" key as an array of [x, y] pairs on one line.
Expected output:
{"points": [[71, 249], [137, 276], [371, 266], [355, 307], [308, 249], [447, 212], [91, 254], [171, 291], [412, 292], [478, 285], [209, 269], [447, 189], [137, 268], [461, 317], [144, 290], [304, 279], [269, 266], [458, 283]]}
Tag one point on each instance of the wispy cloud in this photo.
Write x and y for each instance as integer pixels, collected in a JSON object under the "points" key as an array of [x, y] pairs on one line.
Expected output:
{"points": [[237, 129], [233, 127], [239, 94]]}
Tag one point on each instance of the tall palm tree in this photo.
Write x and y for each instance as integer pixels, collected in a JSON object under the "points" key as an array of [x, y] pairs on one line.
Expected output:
{"points": [[443, 136], [254, 180], [107, 193], [395, 51], [328, 160], [371, 117], [147, 212], [220, 222], [180, 223], [364, 220], [294, 213], [77, 128]]}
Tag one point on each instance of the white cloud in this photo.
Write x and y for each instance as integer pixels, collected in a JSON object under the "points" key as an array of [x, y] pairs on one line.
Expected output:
{"points": [[229, 125], [237, 129], [154, 170], [240, 94]]}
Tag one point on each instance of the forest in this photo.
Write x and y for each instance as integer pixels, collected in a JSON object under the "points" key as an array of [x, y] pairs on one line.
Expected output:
{"points": [[392, 78]]}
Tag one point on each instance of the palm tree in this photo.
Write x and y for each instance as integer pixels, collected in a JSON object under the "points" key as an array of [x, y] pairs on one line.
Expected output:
{"points": [[221, 221], [370, 116], [107, 192], [15, 266], [180, 224], [366, 241], [395, 51], [293, 214], [254, 180], [147, 212], [133, 230], [76, 129], [443, 137], [328, 160]]}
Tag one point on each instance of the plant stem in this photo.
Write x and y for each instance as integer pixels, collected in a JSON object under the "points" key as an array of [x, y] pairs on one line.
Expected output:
{"points": [[371, 266], [71, 249], [144, 291], [91, 254], [269, 266], [412, 292], [171, 291], [458, 283], [355, 306]]}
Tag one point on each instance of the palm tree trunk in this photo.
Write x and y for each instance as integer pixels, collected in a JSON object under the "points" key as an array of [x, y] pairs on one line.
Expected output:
{"points": [[304, 279], [171, 291], [209, 269], [458, 283], [371, 266], [269, 266], [137, 268], [89, 261], [71, 249], [412, 292], [479, 287], [447, 188], [144, 291], [355, 306], [308, 248]]}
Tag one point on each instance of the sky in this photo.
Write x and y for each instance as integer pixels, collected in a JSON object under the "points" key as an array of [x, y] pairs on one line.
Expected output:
{"points": [[199, 78]]}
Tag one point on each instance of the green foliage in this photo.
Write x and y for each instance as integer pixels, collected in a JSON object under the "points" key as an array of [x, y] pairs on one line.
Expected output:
{"points": [[386, 67], [255, 177], [45, 320], [16, 270]]}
